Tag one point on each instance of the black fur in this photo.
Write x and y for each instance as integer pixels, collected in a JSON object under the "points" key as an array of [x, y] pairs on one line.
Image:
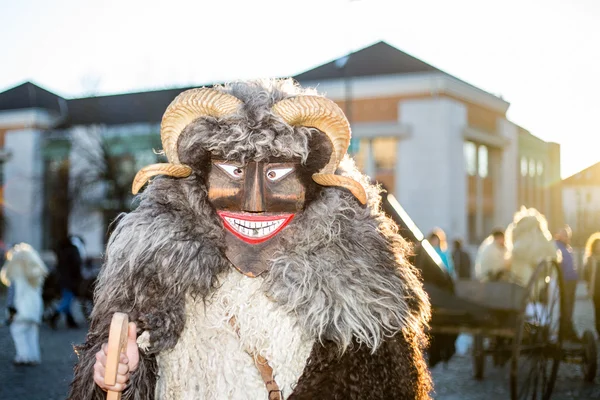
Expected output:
{"points": [[396, 371]]}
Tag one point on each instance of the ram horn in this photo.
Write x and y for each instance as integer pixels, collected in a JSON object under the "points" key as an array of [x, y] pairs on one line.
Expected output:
{"points": [[144, 174], [189, 106], [325, 115], [320, 113], [344, 182]]}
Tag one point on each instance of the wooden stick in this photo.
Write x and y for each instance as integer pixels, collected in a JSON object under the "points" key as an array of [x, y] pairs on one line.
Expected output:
{"points": [[117, 343]]}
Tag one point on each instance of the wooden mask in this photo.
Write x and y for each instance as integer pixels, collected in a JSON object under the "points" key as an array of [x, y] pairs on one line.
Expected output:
{"points": [[255, 201]]}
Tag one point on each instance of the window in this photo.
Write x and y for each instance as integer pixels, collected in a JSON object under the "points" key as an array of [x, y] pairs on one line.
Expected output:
{"points": [[523, 166], [470, 158], [384, 150], [532, 168], [482, 161], [144, 158], [383, 164], [540, 168]]}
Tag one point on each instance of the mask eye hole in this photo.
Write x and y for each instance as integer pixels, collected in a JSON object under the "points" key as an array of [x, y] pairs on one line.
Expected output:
{"points": [[275, 174], [234, 171]]}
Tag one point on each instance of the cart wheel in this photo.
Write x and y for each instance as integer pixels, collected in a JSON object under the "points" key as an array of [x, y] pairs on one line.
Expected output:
{"points": [[589, 364], [537, 348], [478, 357]]}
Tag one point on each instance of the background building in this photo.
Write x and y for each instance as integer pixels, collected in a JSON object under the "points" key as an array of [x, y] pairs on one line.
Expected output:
{"points": [[581, 199], [539, 177], [443, 147]]}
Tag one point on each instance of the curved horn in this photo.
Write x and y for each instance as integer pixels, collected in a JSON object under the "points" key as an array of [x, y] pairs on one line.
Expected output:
{"points": [[344, 182], [175, 170], [320, 113], [325, 115], [188, 106]]}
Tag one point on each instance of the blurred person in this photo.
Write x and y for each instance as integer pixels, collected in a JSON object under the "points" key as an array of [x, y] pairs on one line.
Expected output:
{"points": [[461, 260], [437, 239], [570, 277], [68, 267], [25, 271], [529, 242], [591, 274], [492, 262], [78, 242]]}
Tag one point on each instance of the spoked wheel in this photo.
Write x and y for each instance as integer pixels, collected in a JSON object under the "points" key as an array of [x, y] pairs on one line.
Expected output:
{"points": [[589, 363], [537, 348]]}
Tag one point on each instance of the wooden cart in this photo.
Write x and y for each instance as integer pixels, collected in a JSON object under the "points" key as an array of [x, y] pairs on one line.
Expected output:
{"points": [[525, 328]]}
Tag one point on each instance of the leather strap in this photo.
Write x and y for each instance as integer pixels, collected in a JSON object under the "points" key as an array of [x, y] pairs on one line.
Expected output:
{"points": [[265, 370]]}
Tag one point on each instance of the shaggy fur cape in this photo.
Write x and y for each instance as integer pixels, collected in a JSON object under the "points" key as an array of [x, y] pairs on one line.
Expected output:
{"points": [[341, 271], [529, 242], [26, 271]]}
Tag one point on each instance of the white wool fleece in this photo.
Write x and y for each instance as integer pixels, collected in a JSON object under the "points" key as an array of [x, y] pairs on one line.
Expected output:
{"points": [[211, 361]]}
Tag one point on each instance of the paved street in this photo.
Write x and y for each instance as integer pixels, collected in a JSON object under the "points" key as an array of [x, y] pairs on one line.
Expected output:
{"points": [[50, 380], [454, 382]]}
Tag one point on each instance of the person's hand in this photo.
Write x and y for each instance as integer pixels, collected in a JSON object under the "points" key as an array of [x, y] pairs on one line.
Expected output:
{"points": [[128, 362]]}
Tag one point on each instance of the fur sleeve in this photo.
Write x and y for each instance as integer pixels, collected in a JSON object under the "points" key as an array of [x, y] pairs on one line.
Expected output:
{"points": [[164, 250]]}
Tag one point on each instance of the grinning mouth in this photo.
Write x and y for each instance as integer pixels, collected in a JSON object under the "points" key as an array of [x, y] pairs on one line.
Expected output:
{"points": [[255, 229]]}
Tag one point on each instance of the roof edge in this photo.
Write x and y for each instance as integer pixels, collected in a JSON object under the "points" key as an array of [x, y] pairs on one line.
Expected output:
{"points": [[411, 83]]}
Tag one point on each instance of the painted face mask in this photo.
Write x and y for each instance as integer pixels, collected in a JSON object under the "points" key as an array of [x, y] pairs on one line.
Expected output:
{"points": [[256, 200]]}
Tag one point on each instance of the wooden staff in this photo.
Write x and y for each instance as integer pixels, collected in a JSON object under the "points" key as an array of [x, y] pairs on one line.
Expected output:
{"points": [[117, 343]]}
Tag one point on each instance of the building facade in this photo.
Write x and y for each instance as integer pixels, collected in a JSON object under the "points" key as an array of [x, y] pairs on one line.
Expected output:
{"points": [[581, 199], [539, 177], [443, 147]]}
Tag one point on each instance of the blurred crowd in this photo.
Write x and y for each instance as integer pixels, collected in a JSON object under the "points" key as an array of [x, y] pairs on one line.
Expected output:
{"points": [[513, 260], [45, 292]]}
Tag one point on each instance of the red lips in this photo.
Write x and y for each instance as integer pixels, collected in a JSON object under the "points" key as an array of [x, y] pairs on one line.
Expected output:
{"points": [[254, 228]]}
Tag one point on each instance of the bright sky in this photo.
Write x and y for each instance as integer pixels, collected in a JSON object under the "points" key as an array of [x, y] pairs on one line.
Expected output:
{"points": [[543, 56]]}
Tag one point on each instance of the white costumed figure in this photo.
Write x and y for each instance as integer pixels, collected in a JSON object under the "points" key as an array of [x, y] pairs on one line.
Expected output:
{"points": [[529, 242], [25, 271]]}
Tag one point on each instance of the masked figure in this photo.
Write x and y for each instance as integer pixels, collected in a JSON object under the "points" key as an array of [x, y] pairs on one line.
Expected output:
{"points": [[529, 242], [258, 264]]}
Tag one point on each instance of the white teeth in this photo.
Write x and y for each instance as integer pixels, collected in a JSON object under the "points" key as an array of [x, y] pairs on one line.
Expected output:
{"points": [[254, 229]]}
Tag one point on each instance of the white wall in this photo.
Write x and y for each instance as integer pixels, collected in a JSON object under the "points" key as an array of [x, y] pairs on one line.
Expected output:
{"points": [[431, 181], [23, 190], [507, 196]]}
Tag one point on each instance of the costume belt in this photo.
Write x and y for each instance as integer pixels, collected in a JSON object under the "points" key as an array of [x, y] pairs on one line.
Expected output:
{"points": [[265, 370]]}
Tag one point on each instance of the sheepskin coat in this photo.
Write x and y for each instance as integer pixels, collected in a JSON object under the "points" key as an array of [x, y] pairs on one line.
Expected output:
{"points": [[339, 314], [529, 242]]}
